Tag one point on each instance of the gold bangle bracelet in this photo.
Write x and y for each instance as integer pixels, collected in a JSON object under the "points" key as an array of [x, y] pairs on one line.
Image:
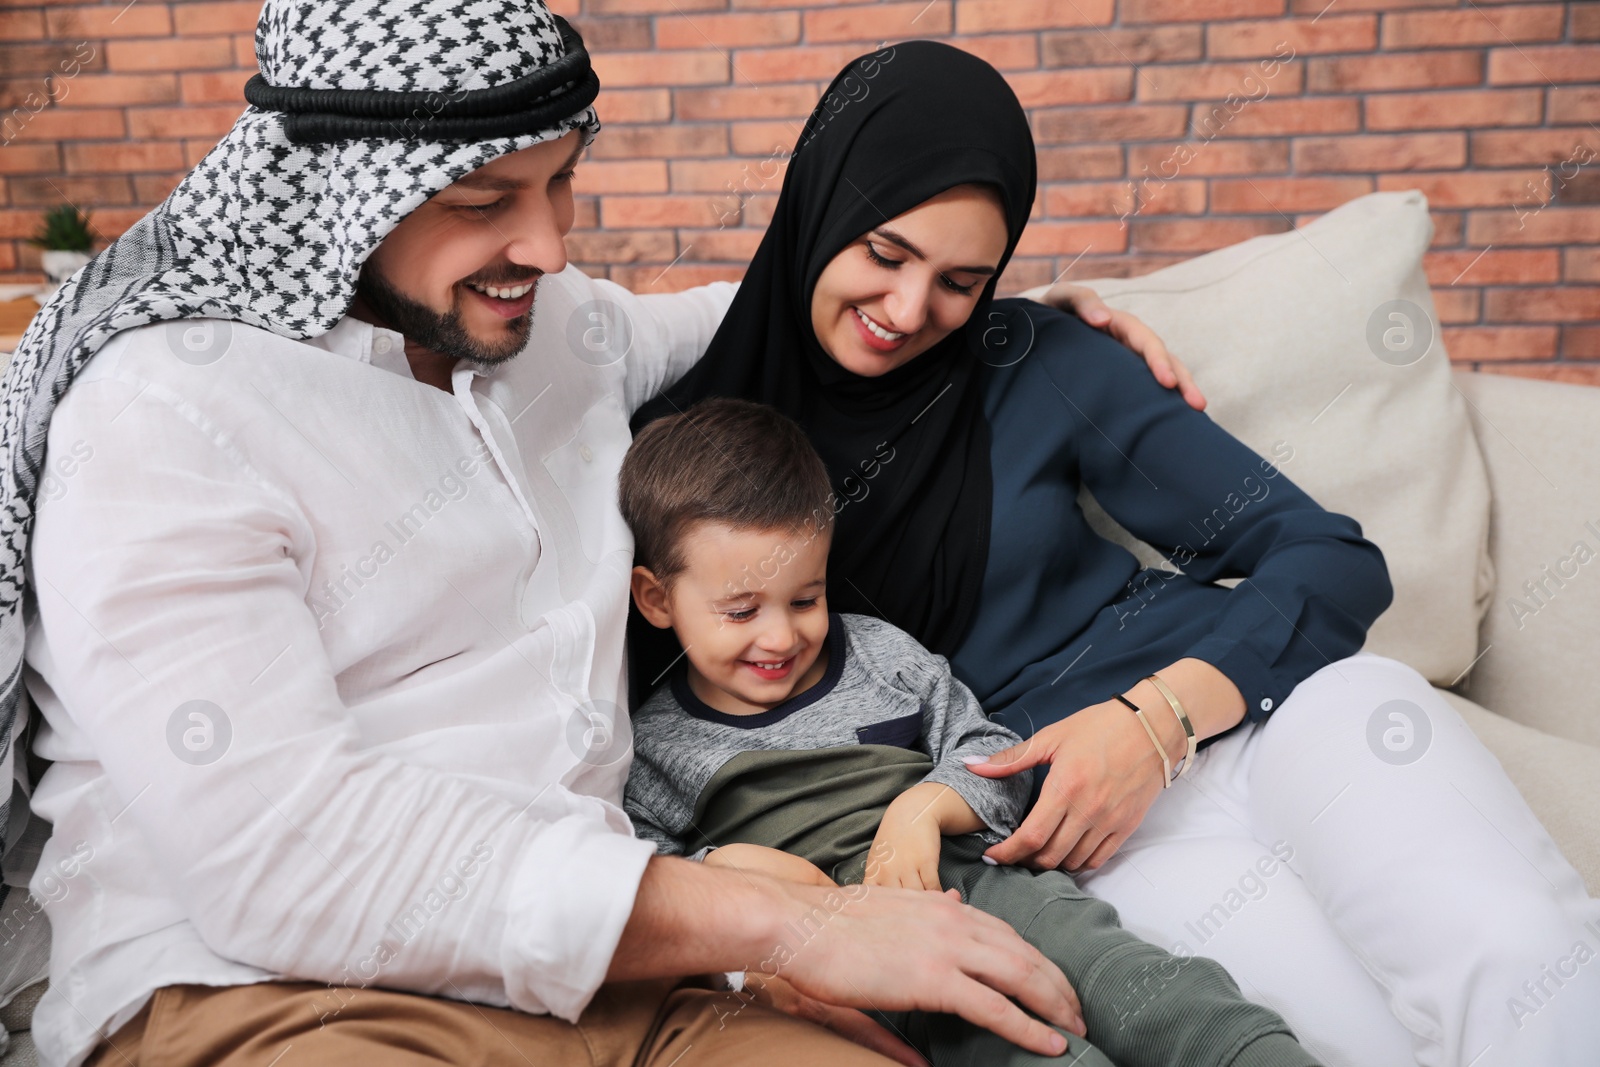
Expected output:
{"points": [[1166, 764], [1183, 720]]}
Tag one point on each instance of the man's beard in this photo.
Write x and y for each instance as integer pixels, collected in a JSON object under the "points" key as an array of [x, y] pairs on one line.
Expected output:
{"points": [[443, 333]]}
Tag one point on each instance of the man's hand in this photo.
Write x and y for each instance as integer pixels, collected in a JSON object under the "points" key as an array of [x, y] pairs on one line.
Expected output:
{"points": [[1087, 305], [774, 991], [851, 1023], [779, 864], [847, 946], [896, 950]]}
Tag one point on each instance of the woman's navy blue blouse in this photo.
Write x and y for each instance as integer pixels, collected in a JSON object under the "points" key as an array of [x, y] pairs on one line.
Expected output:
{"points": [[1067, 618]]}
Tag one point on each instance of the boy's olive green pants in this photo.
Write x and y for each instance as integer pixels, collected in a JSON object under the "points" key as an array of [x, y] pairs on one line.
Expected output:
{"points": [[1143, 1006]]}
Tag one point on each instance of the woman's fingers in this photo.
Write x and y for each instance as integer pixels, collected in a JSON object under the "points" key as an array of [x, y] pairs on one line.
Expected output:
{"points": [[1049, 822], [1008, 762], [1074, 829], [1048, 817], [1019, 757], [1083, 849], [1107, 849]]}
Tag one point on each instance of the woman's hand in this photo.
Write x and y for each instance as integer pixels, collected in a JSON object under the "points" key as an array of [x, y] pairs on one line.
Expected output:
{"points": [[1104, 772], [1104, 775], [779, 864], [1087, 305]]}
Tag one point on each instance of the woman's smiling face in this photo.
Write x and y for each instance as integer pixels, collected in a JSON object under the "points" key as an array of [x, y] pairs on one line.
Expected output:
{"points": [[898, 290]]}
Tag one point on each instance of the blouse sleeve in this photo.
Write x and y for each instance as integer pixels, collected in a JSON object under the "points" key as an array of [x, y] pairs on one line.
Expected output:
{"points": [[1311, 583]]}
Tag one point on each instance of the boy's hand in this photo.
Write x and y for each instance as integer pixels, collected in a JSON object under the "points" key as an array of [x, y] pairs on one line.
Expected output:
{"points": [[779, 864], [906, 847], [905, 850]]}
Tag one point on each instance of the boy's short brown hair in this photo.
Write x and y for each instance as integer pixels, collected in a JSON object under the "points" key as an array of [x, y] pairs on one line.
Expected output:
{"points": [[736, 462]]}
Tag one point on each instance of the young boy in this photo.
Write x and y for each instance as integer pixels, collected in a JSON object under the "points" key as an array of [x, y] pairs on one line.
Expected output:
{"points": [[803, 743]]}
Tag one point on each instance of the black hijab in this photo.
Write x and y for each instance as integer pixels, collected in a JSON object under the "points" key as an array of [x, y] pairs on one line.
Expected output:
{"points": [[908, 451]]}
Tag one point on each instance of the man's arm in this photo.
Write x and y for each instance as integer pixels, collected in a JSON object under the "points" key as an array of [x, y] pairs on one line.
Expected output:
{"points": [[169, 576], [169, 573], [669, 332], [656, 336]]}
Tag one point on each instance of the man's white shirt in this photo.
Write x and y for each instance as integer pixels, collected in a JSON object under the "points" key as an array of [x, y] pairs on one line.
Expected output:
{"points": [[331, 662]]}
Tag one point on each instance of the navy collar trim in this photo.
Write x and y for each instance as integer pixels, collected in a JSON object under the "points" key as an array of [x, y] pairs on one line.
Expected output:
{"points": [[830, 678]]}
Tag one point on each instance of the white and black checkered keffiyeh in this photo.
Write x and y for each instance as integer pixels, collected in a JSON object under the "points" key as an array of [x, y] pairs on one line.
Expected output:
{"points": [[272, 227]]}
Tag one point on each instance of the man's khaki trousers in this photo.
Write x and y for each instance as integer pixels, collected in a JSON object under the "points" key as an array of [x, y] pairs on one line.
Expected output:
{"points": [[658, 1023]]}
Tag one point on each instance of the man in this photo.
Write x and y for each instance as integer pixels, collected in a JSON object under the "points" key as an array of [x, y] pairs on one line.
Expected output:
{"points": [[331, 589]]}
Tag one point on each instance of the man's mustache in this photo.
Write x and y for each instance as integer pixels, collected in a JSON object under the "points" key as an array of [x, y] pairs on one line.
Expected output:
{"points": [[506, 276]]}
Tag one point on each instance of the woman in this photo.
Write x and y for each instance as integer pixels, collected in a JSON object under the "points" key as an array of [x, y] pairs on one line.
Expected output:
{"points": [[959, 429]]}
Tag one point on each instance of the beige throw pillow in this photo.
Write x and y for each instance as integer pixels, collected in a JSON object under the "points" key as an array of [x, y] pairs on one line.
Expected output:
{"points": [[1324, 341]]}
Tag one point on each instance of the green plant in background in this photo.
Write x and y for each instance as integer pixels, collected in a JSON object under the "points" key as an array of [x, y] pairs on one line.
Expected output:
{"points": [[65, 229]]}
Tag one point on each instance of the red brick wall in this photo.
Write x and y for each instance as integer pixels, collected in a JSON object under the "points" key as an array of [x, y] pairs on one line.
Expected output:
{"points": [[1492, 110]]}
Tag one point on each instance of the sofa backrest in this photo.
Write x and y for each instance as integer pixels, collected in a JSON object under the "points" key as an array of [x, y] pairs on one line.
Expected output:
{"points": [[1540, 654]]}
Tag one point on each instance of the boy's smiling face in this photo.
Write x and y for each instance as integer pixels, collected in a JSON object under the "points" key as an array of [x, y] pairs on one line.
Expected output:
{"points": [[750, 610]]}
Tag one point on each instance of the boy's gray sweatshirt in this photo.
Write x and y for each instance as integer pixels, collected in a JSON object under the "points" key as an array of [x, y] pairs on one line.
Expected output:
{"points": [[813, 775]]}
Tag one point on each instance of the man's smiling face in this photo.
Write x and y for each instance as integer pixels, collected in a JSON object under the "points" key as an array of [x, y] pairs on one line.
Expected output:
{"points": [[458, 275]]}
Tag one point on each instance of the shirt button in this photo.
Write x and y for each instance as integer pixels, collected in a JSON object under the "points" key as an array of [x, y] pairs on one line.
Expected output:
{"points": [[1266, 703], [583, 450], [381, 345]]}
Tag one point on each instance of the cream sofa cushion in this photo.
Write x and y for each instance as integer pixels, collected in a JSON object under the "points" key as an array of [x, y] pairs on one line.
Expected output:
{"points": [[1292, 340], [1554, 775]]}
